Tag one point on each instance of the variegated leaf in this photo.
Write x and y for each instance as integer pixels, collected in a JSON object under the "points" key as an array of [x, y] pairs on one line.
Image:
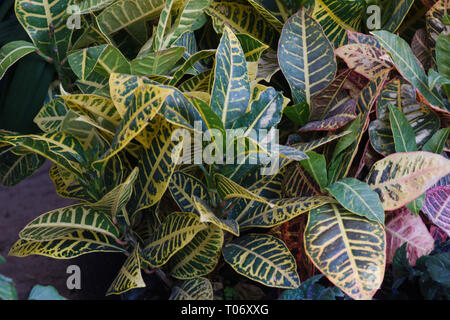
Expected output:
{"points": [[193, 289], [402, 177], [207, 215], [177, 230], [11, 52], [129, 276], [184, 187], [348, 249], [407, 227], [305, 56], [437, 207], [264, 259], [15, 168], [200, 256]]}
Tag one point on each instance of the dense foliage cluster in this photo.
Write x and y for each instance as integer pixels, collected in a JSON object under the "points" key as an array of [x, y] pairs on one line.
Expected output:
{"points": [[103, 86]]}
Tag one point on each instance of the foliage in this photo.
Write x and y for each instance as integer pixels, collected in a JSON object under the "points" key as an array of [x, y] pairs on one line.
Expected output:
{"points": [[142, 87]]}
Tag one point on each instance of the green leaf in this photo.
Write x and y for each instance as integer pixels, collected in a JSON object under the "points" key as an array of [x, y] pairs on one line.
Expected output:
{"points": [[177, 230], [51, 116], [11, 52], [402, 132], [420, 117], [407, 65], [348, 249], [193, 289], [242, 18], [104, 59], [129, 276], [416, 205], [305, 56], [157, 63], [394, 14], [178, 75], [67, 247], [164, 19], [187, 20], [231, 89], [337, 16], [45, 293], [45, 23], [15, 168], [88, 6], [264, 112], [316, 166], [267, 14], [65, 221], [437, 141], [184, 188], [156, 166], [357, 197], [262, 215], [147, 102], [264, 259], [207, 215], [200, 256], [124, 13]]}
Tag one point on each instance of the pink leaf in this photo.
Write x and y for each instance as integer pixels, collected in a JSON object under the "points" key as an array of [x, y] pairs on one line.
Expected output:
{"points": [[437, 207], [409, 228]]}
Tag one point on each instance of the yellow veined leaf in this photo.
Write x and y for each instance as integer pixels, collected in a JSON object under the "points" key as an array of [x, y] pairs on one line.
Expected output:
{"points": [[147, 102], [229, 189], [97, 105], [67, 185], [45, 23], [51, 115], [104, 59], [129, 276], [231, 89], [59, 147], [282, 210], [200, 256], [402, 177], [365, 59], [62, 222], [11, 52], [122, 90], [156, 166], [88, 6], [115, 200], [164, 20], [67, 247], [124, 13], [267, 14], [300, 43], [199, 82], [337, 16], [194, 289], [157, 63], [177, 230], [264, 259], [184, 187], [242, 18], [207, 215], [348, 249], [15, 168]]}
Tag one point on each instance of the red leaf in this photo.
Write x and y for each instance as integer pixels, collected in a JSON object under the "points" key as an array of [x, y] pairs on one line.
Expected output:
{"points": [[409, 228], [437, 207]]}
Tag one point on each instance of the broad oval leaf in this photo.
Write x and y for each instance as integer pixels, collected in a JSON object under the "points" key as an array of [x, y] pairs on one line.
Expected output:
{"points": [[67, 247], [231, 89], [357, 197], [407, 227], [200, 256], [65, 221], [305, 56], [177, 230], [193, 289], [348, 249], [184, 187], [264, 259], [402, 177]]}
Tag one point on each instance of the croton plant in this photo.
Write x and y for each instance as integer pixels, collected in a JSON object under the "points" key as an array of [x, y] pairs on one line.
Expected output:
{"points": [[360, 117]]}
